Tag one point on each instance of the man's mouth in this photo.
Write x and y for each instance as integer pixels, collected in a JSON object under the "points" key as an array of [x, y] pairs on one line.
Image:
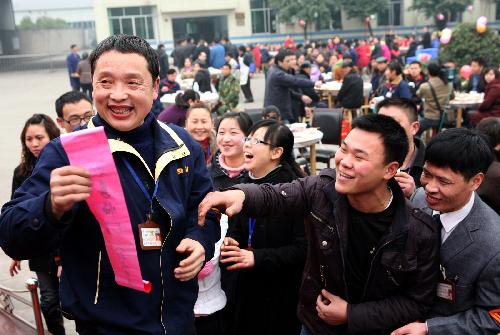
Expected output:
{"points": [[345, 175], [121, 110]]}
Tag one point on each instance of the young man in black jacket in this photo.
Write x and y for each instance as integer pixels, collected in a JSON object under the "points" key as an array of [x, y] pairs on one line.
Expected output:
{"points": [[351, 92], [372, 259]]}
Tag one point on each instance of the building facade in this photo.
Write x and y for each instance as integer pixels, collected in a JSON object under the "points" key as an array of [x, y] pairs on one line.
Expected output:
{"points": [[249, 21]]}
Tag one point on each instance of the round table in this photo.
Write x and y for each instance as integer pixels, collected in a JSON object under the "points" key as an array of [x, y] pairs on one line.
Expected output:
{"points": [[460, 105], [308, 138]]}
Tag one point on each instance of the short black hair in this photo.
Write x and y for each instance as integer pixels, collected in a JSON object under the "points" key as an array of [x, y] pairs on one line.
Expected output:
{"points": [[72, 46], [71, 97], [127, 44], [464, 151], [416, 62], [490, 127], [392, 134], [406, 105], [280, 57], [396, 67], [434, 69], [171, 71], [270, 109], [226, 64], [478, 60], [243, 119]]}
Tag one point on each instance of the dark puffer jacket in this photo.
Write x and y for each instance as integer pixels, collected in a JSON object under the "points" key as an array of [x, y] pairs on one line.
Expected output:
{"points": [[402, 279]]}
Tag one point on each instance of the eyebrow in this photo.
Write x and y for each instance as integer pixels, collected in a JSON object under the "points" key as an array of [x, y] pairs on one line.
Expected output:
{"points": [[127, 75], [358, 151], [438, 177]]}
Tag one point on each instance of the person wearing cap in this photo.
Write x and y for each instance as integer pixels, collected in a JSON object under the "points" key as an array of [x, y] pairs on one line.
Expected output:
{"points": [[351, 92], [378, 77]]}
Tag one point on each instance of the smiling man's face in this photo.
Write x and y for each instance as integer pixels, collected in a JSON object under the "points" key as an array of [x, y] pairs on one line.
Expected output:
{"points": [[124, 90]]}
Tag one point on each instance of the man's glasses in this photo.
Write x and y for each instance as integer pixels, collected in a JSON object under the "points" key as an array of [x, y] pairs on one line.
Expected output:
{"points": [[253, 141], [77, 120]]}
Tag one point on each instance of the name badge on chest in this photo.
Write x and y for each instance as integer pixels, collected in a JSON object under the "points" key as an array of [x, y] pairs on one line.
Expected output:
{"points": [[150, 235], [446, 288]]}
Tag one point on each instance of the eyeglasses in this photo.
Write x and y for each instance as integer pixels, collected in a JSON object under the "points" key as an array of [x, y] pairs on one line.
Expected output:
{"points": [[253, 141], [77, 120]]}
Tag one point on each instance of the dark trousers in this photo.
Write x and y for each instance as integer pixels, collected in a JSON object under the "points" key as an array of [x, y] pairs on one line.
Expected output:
{"points": [[75, 83], [49, 301], [87, 89], [247, 91], [211, 324]]}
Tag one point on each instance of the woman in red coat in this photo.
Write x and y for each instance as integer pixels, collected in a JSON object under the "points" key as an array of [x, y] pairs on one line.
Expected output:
{"points": [[256, 56], [491, 102]]}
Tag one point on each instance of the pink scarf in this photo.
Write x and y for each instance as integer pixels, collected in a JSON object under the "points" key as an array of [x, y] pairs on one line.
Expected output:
{"points": [[232, 172]]}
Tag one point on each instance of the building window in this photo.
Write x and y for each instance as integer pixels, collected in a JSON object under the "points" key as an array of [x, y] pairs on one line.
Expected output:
{"points": [[497, 16], [263, 17], [132, 21], [391, 16]]}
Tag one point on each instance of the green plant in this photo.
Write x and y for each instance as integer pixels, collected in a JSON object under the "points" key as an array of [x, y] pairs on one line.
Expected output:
{"points": [[466, 44]]}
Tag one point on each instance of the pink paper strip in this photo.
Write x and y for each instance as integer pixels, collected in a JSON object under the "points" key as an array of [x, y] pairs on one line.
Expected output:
{"points": [[90, 149]]}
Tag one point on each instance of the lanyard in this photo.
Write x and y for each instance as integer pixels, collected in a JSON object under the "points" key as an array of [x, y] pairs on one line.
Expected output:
{"points": [[251, 226], [140, 183]]}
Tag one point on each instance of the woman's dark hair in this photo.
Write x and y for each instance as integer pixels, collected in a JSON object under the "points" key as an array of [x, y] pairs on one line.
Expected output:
{"points": [[243, 119], [495, 71], [182, 99], [490, 127], [85, 55], [28, 160], [436, 70], [270, 110], [464, 151], [279, 135], [396, 67], [127, 44]]}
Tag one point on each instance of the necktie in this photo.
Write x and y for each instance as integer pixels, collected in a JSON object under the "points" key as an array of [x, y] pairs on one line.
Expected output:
{"points": [[437, 218]]}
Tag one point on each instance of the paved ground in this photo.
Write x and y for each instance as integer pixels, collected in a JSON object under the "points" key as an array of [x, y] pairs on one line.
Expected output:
{"points": [[23, 94]]}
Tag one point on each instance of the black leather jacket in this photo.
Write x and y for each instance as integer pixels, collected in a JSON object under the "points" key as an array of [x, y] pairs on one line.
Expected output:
{"points": [[402, 279]]}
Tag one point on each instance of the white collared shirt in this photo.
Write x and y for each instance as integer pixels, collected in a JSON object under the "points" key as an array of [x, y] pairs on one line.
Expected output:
{"points": [[450, 220]]}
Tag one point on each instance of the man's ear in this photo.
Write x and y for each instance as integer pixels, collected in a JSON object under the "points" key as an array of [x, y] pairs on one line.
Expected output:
{"points": [[156, 86], [390, 170], [476, 181]]}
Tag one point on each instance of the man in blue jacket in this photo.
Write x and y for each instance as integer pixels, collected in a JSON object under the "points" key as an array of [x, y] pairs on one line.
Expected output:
{"points": [[72, 61], [217, 54], [163, 175]]}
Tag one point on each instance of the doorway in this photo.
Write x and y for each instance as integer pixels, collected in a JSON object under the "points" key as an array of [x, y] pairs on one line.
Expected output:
{"points": [[205, 27]]}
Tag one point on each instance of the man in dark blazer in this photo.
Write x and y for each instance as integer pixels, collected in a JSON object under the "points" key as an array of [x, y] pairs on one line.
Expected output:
{"points": [[455, 164], [279, 83]]}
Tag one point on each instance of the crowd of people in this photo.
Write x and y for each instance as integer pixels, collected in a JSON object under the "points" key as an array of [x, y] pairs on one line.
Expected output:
{"points": [[401, 237]]}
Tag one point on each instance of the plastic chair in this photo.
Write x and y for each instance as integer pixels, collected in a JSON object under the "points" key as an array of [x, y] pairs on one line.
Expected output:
{"points": [[329, 121]]}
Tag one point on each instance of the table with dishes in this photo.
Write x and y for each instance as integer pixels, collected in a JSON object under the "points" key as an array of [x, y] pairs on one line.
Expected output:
{"points": [[464, 101], [306, 137]]}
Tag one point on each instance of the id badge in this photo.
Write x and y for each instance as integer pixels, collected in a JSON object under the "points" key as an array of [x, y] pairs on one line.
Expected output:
{"points": [[150, 235], [446, 290], [388, 95]]}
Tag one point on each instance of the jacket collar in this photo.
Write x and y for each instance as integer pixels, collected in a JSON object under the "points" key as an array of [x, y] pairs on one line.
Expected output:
{"points": [[401, 217], [168, 145]]}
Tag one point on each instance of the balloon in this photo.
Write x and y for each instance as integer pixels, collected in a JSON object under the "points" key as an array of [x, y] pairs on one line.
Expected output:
{"points": [[465, 72], [440, 16], [481, 21], [445, 39], [424, 58], [481, 29], [446, 32], [302, 22], [470, 8]]}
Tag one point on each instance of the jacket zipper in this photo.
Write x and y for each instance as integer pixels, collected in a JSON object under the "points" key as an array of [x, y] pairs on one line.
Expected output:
{"points": [[98, 275], [161, 269], [371, 266]]}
